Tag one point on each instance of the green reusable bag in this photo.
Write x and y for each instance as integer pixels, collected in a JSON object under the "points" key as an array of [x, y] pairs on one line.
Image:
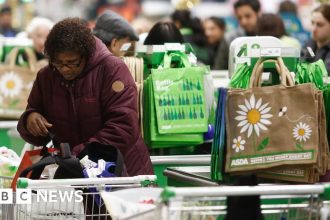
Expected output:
{"points": [[179, 96], [152, 138], [311, 72], [314, 72], [241, 77]]}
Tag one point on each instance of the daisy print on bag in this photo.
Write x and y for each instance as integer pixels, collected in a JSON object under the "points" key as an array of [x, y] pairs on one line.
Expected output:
{"points": [[253, 116], [301, 132], [11, 84], [238, 144]]}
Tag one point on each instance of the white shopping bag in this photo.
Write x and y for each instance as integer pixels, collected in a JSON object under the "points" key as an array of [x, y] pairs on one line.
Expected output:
{"points": [[39, 209], [139, 202], [9, 162]]}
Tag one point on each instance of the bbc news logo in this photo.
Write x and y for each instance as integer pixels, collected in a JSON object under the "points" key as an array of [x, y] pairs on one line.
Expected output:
{"points": [[26, 196]]}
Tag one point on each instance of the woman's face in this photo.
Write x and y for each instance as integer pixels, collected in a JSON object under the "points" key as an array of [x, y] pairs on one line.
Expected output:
{"points": [[320, 28], [213, 32], [39, 37], [247, 18], [70, 64], [116, 46]]}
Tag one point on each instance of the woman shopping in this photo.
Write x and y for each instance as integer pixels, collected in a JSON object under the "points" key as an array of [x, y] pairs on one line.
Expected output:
{"points": [[84, 96]]}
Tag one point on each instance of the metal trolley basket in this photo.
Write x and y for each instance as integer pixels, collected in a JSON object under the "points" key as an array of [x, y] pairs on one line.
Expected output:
{"points": [[66, 198], [279, 202]]}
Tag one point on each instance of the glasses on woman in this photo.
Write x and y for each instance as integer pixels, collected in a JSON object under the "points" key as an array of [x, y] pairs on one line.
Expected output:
{"points": [[71, 65]]}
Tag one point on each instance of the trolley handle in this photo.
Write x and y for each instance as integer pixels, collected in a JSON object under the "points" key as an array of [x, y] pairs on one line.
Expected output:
{"points": [[171, 192], [141, 179]]}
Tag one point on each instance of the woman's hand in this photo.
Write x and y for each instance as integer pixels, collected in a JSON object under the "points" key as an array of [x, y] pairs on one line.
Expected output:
{"points": [[37, 125]]}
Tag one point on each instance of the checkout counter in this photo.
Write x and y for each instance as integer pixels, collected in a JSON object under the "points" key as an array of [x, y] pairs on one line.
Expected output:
{"points": [[189, 176], [183, 170]]}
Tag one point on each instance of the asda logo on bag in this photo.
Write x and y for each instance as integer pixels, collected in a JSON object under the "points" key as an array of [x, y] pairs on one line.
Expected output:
{"points": [[272, 158], [25, 196], [239, 162]]}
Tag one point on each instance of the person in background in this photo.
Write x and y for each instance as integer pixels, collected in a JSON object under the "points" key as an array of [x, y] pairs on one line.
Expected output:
{"points": [[115, 32], [272, 25], [193, 33], [86, 97], [247, 13], [215, 28], [37, 30], [288, 6], [141, 25], [6, 28], [163, 32], [320, 42]]}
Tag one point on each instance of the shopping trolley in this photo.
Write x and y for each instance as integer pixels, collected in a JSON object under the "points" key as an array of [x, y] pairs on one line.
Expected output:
{"points": [[67, 198], [280, 202]]}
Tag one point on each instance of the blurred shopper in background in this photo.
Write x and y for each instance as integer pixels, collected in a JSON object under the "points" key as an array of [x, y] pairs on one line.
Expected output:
{"points": [[115, 32], [214, 30], [141, 25], [163, 32], [287, 6], [272, 25], [86, 97], [37, 30], [6, 28], [320, 42], [193, 33], [247, 13]]}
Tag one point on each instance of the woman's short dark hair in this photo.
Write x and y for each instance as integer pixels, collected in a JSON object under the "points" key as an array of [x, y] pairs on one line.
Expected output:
{"points": [[324, 9], [254, 4], [185, 20], [270, 24], [163, 32], [220, 22], [183, 17], [287, 6], [70, 34]]}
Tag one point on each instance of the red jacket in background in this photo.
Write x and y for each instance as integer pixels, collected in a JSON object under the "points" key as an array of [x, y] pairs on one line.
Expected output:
{"points": [[100, 105]]}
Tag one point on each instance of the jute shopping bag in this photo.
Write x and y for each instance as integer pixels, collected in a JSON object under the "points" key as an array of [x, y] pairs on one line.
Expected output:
{"points": [[305, 173], [308, 173], [15, 84], [271, 126], [135, 66]]}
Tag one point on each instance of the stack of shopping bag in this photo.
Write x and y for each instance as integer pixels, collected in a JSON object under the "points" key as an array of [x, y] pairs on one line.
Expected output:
{"points": [[277, 132], [16, 83], [135, 66], [174, 103]]}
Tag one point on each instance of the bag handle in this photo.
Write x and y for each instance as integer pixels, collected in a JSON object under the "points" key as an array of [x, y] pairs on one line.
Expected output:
{"points": [[255, 79], [38, 167], [286, 78], [168, 57], [32, 60]]}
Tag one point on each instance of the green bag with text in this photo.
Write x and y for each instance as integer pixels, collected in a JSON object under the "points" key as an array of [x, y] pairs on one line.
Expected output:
{"points": [[179, 96], [151, 135]]}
